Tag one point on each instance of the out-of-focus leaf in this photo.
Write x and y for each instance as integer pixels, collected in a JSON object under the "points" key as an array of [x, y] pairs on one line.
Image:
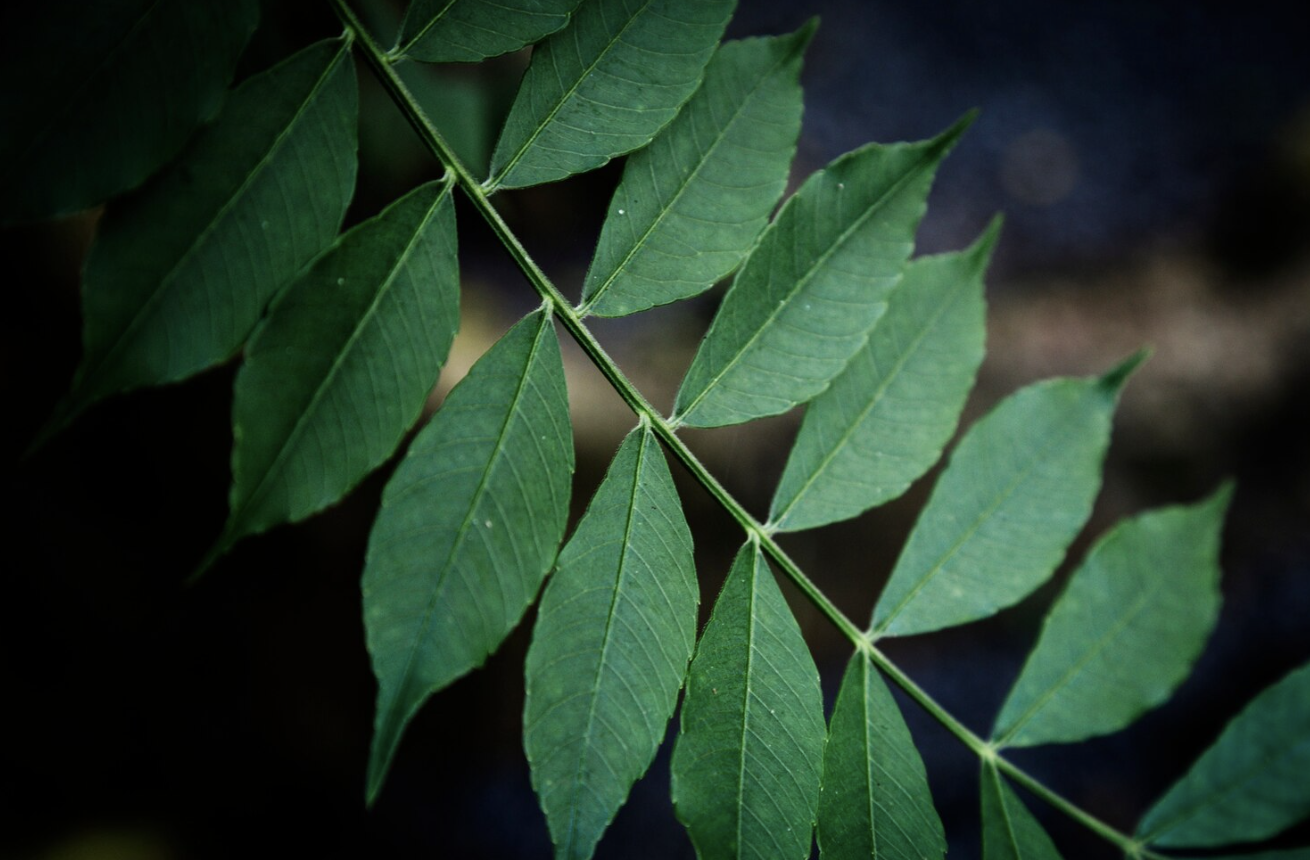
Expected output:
{"points": [[1126, 631], [692, 202], [806, 299], [614, 632], [469, 526], [468, 31], [1009, 830], [886, 418], [748, 761], [604, 85]]}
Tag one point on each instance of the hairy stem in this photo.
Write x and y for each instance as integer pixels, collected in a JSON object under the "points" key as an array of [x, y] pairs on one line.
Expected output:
{"points": [[378, 59]]}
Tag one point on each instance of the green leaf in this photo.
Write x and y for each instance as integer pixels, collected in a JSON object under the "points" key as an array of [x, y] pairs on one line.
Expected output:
{"points": [[748, 761], [469, 526], [468, 31], [1251, 784], [1009, 830], [604, 85], [691, 204], [875, 800], [886, 418], [341, 367], [614, 633], [110, 91], [182, 269], [810, 292], [1017, 490], [1126, 631]]}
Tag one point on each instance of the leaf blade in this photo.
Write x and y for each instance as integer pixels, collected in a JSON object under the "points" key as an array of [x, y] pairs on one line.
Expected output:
{"points": [[746, 779], [470, 523], [875, 801], [1016, 491], [690, 204], [1009, 830], [1125, 632], [811, 290], [1250, 784], [885, 419], [615, 631], [469, 31], [604, 85]]}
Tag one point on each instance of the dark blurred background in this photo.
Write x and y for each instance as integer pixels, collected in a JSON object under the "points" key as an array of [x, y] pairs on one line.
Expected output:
{"points": [[1153, 163]]}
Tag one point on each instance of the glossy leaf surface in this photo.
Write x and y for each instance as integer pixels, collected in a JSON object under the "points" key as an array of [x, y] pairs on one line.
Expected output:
{"points": [[748, 761], [469, 525], [875, 800], [1017, 490], [341, 367], [614, 633], [1126, 630], [885, 419], [466, 31], [605, 85], [1009, 830], [182, 269], [1251, 784], [96, 112], [691, 204], [806, 299]]}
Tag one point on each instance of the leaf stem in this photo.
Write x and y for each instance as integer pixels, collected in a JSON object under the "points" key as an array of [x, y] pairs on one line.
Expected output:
{"points": [[665, 429]]}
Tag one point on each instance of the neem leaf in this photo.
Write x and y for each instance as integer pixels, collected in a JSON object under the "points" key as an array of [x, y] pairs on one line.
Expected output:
{"points": [[110, 91], [875, 800], [604, 85], [748, 761], [183, 268], [1009, 830], [884, 421], [691, 204], [615, 630], [806, 299], [468, 31], [1126, 630], [469, 526], [341, 367], [1251, 784], [1017, 490]]}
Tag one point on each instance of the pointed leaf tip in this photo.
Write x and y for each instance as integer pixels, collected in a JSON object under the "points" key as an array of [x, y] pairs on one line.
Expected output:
{"points": [[1114, 379]]}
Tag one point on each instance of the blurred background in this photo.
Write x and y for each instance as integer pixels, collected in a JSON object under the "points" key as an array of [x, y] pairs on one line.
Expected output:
{"points": [[1153, 164]]}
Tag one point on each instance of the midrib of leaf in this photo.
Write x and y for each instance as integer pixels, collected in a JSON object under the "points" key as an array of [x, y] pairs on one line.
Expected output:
{"points": [[873, 401], [964, 538], [464, 528], [609, 624], [493, 184], [563, 311], [815, 265], [303, 418], [869, 743], [67, 104], [167, 280], [585, 307], [1005, 808], [1099, 646], [400, 50]]}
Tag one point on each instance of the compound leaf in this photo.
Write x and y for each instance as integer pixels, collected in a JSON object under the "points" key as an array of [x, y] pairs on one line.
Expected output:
{"points": [[1251, 784], [1017, 490], [614, 633], [1009, 830], [131, 81], [468, 31], [469, 526], [690, 204], [341, 367], [1126, 630], [183, 268], [604, 85], [875, 800], [748, 762], [886, 418], [806, 299]]}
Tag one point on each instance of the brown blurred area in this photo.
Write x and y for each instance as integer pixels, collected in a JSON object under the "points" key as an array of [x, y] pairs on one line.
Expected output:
{"points": [[147, 720]]}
